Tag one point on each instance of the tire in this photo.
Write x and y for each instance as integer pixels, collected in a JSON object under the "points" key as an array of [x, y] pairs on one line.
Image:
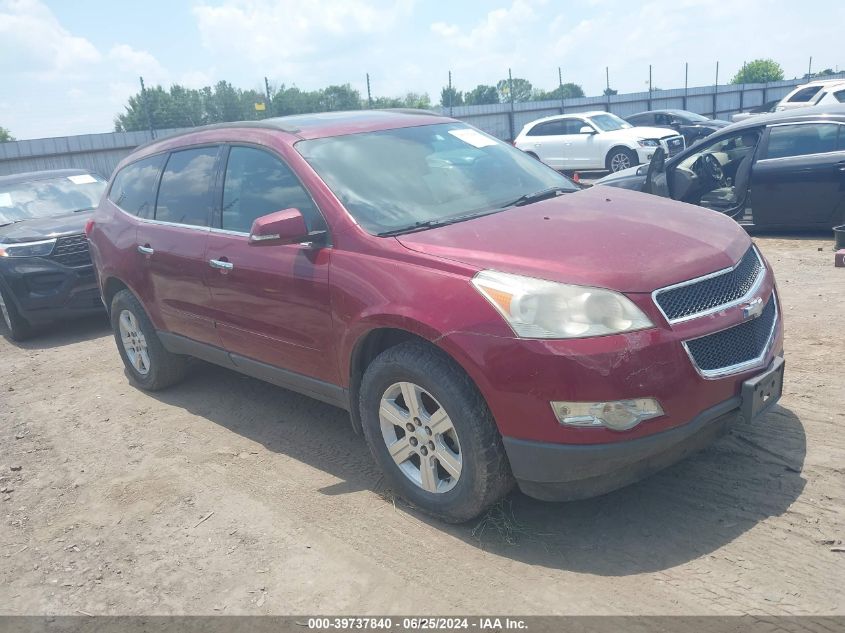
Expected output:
{"points": [[473, 442], [620, 158], [149, 365], [17, 328]]}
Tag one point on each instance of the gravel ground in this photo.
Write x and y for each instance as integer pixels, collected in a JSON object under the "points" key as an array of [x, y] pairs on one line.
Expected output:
{"points": [[228, 495]]}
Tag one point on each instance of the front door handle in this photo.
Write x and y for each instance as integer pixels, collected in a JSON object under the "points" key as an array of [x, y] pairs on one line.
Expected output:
{"points": [[145, 250], [220, 264], [840, 165]]}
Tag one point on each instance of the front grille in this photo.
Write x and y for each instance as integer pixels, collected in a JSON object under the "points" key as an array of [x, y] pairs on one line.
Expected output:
{"points": [[675, 145], [72, 251], [730, 349], [711, 293]]}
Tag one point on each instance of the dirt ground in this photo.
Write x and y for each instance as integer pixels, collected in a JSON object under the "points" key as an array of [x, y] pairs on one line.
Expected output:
{"points": [[228, 495]]}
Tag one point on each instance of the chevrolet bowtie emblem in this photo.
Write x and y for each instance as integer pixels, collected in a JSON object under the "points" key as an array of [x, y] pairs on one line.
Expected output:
{"points": [[753, 308]]}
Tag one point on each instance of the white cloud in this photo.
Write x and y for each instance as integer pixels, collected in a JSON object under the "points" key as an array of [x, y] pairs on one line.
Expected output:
{"points": [[33, 41], [279, 35]]}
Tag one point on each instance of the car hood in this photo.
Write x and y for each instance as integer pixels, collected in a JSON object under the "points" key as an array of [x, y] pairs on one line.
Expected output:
{"points": [[44, 228], [623, 174], [609, 238], [640, 133]]}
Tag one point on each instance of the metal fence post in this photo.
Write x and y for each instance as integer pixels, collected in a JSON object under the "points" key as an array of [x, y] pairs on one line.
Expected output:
{"points": [[686, 83], [510, 114], [560, 83], [147, 109], [715, 90]]}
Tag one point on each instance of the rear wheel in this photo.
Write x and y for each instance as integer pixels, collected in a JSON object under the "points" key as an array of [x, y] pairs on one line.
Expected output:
{"points": [[149, 365], [432, 434], [620, 158], [17, 327]]}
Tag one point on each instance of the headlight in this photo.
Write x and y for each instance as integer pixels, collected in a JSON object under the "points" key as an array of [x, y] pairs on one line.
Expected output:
{"points": [[619, 415], [28, 249], [535, 308], [649, 142]]}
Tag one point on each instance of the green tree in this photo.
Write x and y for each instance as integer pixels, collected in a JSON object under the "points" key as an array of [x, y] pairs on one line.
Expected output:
{"points": [[340, 98], [522, 89], [482, 95], [5, 135], [758, 71], [418, 100], [451, 97], [565, 91]]}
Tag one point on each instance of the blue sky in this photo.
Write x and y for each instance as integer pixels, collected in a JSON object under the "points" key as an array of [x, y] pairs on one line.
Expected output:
{"points": [[68, 66]]}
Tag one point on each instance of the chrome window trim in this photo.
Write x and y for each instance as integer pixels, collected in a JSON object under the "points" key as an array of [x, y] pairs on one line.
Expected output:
{"points": [[205, 229], [722, 372], [724, 306]]}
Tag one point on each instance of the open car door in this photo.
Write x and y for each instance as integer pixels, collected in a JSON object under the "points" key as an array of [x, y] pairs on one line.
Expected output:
{"points": [[656, 182]]}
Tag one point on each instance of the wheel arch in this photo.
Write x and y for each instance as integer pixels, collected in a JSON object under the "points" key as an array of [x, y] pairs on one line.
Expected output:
{"points": [[379, 338]]}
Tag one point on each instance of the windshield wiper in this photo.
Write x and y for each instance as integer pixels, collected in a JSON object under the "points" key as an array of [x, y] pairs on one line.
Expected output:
{"points": [[543, 194], [431, 224]]}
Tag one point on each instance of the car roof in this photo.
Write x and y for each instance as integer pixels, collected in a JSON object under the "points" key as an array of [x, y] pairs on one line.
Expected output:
{"points": [[555, 117], [820, 82], [321, 124], [667, 111], [833, 112], [30, 176]]}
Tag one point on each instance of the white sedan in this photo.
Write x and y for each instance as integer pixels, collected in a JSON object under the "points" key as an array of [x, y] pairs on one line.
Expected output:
{"points": [[594, 140]]}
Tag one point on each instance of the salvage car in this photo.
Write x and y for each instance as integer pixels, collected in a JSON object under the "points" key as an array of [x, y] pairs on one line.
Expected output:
{"points": [[805, 95], [594, 140], [692, 126], [781, 170], [482, 319], [45, 269]]}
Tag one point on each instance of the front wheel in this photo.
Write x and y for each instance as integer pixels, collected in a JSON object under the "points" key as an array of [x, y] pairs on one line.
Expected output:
{"points": [[432, 434], [148, 363], [621, 158], [17, 327]]}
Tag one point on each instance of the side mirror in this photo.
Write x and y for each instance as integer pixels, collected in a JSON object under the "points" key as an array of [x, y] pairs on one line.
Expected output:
{"points": [[282, 227], [586, 130]]}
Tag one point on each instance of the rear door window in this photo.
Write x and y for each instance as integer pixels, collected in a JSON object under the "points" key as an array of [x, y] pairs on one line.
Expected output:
{"points": [[184, 196], [134, 186], [257, 184], [549, 128], [839, 96], [803, 139]]}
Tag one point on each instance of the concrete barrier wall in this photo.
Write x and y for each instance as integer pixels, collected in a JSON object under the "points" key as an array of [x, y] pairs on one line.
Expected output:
{"points": [[102, 152]]}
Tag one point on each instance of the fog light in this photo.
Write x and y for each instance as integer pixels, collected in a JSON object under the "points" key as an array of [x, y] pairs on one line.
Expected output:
{"points": [[619, 415]]}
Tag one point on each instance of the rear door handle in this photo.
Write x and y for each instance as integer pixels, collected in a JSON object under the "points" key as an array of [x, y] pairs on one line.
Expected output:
{"points": [[145, 250], [840, 165], [220, 264]]}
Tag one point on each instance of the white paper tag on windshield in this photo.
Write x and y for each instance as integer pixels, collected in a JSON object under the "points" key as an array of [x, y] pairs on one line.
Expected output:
{"points": [[82, 179], [5, 199], [474, 138]]}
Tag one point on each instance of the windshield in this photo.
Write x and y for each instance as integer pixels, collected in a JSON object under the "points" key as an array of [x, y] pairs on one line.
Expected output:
{"points": [[49, 197], [692, 116], [401, 178], [609, 122]]}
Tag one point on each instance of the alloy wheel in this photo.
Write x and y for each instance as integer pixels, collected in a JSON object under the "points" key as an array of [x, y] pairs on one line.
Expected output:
{"points": [[420, 437], [619, 161], [134, 342]]}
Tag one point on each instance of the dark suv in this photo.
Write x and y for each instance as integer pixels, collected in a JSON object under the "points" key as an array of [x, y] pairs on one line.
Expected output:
{"points": [[481, 318], [45, 270]]}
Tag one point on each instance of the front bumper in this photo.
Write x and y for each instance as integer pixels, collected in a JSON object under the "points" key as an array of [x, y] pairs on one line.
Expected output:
{"points": [[555, 472], [561, 472], [44, 290]]}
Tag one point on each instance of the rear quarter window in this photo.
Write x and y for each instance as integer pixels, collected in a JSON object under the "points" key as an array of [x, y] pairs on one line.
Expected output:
{"points": [[804, 95], [134, 187]]}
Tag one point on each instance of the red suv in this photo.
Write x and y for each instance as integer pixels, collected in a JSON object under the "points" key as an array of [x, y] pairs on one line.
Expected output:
{"points": [[482, 319]]}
